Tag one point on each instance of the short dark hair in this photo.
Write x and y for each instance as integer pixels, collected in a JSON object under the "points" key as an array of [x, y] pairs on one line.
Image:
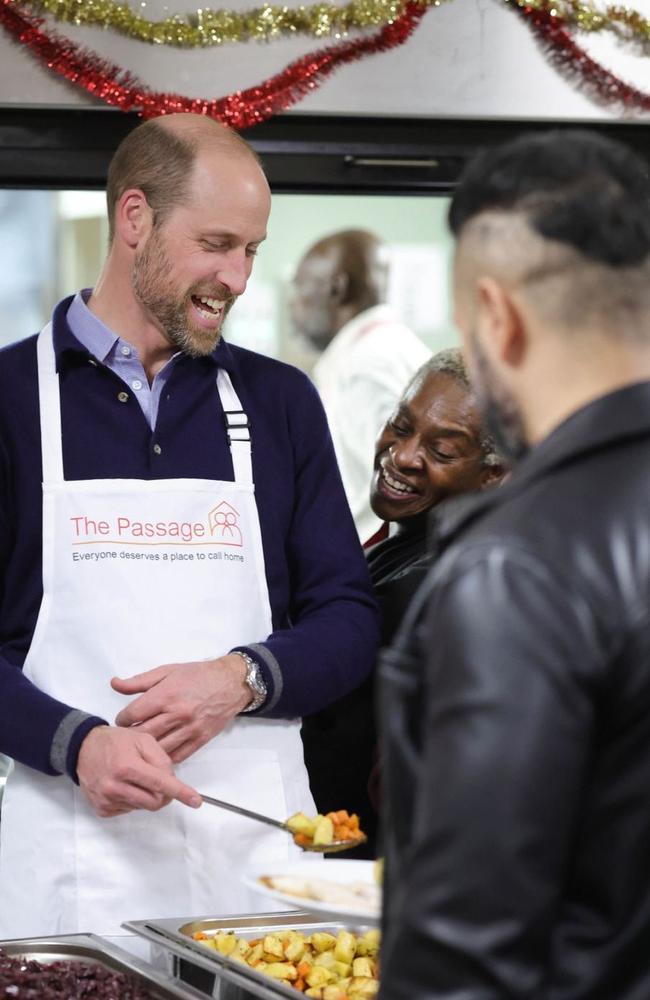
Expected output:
{"points": [[574, 186]]}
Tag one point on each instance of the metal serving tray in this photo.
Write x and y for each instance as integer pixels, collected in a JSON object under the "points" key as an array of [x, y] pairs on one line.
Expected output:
{"points": [[94, 950], [218, 975]]}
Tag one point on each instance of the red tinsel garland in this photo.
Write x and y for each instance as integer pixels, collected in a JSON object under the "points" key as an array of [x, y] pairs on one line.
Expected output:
{"points": [[572, 60], [116, 86]]}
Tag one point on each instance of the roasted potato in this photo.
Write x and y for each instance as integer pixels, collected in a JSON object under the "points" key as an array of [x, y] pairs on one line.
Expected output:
{"points": [[323, 830], [345, 948], [321, 965], [299, 823]]}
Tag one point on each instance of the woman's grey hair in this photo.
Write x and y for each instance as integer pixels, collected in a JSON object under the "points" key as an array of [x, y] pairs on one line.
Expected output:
{"points": [[451, 362]]}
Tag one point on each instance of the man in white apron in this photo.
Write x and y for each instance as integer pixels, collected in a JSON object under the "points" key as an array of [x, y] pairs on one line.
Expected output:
{"points": [[156, 614]]}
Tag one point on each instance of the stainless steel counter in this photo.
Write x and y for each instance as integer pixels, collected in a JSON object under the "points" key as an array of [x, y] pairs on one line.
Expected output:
{"points": [[215, 974]]}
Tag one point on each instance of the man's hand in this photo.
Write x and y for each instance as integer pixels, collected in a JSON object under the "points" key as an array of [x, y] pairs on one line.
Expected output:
{"points": [[185, 704], [120, 770]]}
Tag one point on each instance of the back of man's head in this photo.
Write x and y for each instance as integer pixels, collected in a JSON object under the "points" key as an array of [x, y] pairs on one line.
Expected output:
{"points": [[565, 215]]}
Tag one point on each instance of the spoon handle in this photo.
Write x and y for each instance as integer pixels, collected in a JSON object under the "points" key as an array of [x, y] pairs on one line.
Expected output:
{"points": [[245, 812]]}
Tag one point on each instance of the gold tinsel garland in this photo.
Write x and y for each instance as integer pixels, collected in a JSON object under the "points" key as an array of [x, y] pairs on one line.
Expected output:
{"points": [[623, 21], [205, 27]]}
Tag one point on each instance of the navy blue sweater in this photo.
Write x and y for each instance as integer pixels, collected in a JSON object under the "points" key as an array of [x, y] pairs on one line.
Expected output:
{"points": [[325, 627]]}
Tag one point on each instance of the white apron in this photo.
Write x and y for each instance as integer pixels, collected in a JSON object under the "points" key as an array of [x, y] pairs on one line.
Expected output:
{"points": [[137, 574]]}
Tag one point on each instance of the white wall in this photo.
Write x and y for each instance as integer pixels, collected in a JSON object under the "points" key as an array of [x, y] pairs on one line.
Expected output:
{"points": [[469, 58]]}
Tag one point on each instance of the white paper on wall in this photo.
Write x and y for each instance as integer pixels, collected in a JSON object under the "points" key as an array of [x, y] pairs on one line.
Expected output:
{"points": [[418, 287]]}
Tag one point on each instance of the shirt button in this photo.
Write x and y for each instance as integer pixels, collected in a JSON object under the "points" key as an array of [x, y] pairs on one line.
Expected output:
{"points": [[123, 397], [126, 351], [136, 383], [157, 449]]}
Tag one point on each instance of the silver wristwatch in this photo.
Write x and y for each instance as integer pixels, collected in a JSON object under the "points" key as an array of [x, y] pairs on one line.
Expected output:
{"points": [[254, 681]]}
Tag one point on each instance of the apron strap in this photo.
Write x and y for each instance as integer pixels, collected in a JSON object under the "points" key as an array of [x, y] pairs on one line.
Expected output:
{"points": [[237, 429], [50, 408], [237, 425]]}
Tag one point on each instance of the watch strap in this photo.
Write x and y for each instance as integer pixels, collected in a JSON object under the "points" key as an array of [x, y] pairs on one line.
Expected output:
{"points": [[254, 681]]}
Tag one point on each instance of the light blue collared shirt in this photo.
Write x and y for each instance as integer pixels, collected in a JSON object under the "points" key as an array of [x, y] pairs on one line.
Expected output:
{"points": [[118, 355]]}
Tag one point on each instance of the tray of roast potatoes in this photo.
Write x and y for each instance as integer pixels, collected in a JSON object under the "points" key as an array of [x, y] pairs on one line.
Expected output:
{"points": [[72, 966], [269, 955]]}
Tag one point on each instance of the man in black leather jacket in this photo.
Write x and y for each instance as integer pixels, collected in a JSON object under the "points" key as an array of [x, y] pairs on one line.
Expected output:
{"points": [[516, 698]]}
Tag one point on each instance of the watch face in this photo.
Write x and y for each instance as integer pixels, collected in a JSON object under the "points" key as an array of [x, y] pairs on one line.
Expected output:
{"points": [[254, 679]]}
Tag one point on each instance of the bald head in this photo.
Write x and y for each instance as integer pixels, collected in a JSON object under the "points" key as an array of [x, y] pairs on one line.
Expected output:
{"points": [[339, 277], [158, 158], [361, 257]]}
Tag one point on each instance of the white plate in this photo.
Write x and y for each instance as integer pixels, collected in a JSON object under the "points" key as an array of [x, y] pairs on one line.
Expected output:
{"points": [[335, 871]]}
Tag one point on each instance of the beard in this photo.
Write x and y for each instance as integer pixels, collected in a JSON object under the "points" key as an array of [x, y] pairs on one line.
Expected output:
{"points": [[501, 413], [154, 289]]}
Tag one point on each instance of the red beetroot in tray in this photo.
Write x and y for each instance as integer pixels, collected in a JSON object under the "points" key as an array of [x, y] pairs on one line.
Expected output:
{"points": [[26, 979]]}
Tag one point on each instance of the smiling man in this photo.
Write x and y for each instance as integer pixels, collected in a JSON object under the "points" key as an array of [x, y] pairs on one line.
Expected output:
{"points": [[168, 607]]}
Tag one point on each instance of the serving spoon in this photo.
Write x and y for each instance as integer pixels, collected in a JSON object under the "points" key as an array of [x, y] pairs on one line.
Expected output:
{"points": [[333, 848]]}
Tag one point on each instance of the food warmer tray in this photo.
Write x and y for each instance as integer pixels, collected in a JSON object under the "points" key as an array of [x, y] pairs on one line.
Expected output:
{"points": [[95, 950], [218, 975]]}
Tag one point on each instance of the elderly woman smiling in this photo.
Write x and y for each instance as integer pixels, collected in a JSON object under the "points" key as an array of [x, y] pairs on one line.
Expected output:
{"points": [[432, 448]]}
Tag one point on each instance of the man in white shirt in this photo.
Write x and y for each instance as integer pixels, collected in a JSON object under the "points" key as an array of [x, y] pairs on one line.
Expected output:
{"points": [[338, 304]]}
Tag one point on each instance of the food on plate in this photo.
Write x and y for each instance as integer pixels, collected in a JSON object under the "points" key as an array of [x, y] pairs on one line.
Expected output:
{"points": [[356, 896], [318, 830], [22, 977], [323, 966]]}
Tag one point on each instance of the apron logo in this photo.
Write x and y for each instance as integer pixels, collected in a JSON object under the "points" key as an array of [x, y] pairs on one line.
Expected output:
{"points": [[220, 528], [222, 521]]}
